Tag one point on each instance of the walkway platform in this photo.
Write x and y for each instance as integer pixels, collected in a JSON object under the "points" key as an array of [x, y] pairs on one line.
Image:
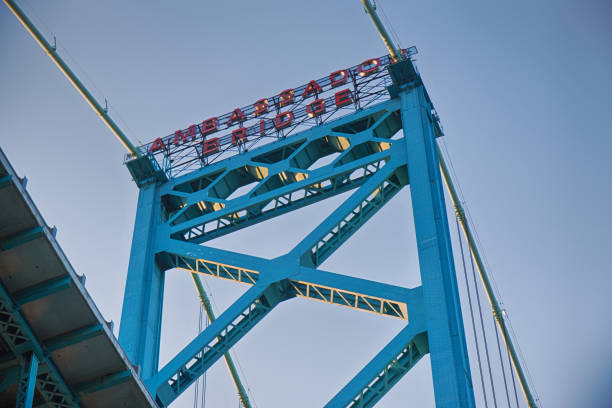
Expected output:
{"points": [[45, 311]]}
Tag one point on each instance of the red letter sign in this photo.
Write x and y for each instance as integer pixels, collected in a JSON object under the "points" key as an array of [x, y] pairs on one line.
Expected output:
{"points": [[283, 120], [338, 78], [368, 67], [239, 136], [209, 126], [286, 97], [210, 146], [180, 137], [343, 98], [261, 107], [312, 87], [316, 108], [237, 115], [158, 144]]}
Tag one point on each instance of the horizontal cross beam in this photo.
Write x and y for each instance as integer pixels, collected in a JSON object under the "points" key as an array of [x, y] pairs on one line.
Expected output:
{"points": [[42, 289], [76, 336], [104, 382], [21, 238], [235, 216], [315, 284]]}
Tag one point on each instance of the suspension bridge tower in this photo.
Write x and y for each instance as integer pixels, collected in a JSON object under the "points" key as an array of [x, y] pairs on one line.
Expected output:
{"points": [[187, 180], [374, 127]]}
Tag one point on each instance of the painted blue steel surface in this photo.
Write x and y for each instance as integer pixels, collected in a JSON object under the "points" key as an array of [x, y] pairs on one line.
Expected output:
{"points": [[44, 289], [76, 336], [141, 317], [27, 381], [449, 358], [304, 249], [176, 216], [354, 392]]}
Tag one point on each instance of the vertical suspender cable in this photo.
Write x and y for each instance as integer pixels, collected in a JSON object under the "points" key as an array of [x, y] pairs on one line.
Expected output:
{"points": [[484, 334], [497, 311], [244, 399], [467, 286], [501, 360]]}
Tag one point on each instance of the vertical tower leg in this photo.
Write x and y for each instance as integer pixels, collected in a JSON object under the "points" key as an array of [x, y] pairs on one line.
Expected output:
{"points": [[27, 381], [141, 316], [449, 360]]}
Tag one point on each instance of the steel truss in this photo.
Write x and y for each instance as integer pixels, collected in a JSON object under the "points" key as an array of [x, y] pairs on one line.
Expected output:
{"points": [[366, 153], [37, 371]]}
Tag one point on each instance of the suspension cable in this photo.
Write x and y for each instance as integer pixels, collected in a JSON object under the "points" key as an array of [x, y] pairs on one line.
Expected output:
{"points": [[512, 376], [467, 286], [501, 360], [91, 100]]}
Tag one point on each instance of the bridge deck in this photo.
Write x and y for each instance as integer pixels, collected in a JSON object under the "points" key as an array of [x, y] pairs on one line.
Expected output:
{"points": [[46, 310]]}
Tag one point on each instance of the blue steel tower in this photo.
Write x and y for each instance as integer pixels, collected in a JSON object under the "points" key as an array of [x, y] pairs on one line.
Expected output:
{"points": [[382, 131], [369, 130]]}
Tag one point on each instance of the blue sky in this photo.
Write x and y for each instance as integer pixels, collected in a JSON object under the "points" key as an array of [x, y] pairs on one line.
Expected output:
{"points": [[523, 91]]}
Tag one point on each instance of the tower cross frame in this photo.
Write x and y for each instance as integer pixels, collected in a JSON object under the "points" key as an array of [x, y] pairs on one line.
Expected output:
{"points": [[176, 216]]}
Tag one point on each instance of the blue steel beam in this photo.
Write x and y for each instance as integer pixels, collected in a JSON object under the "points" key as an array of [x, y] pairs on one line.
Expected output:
{"points": [[341, 224], [357, 217], [384, 370], [449, 359], [141, 314], [21, 238], [42, 289], [193, 251], [107, 381], [362, 294], [6, 181], [27, 381], [210, 345], [213, 269], [199, 183], [67, 339], [280, 201]]}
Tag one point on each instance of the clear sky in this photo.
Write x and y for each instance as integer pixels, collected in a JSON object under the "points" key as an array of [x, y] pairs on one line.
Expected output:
{"points": [[523, 91]]}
